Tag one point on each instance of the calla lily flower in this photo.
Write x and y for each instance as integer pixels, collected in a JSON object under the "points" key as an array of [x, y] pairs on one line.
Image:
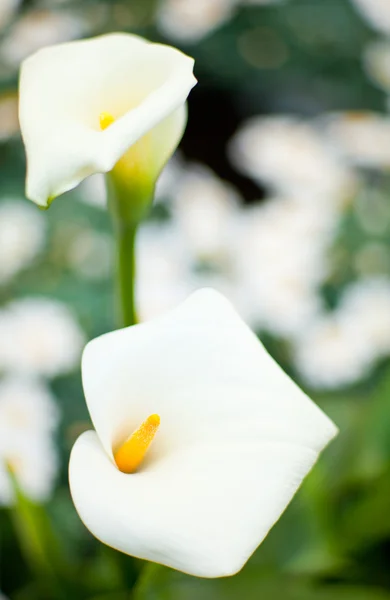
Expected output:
{"points": [[200, 440], [88, 104]]}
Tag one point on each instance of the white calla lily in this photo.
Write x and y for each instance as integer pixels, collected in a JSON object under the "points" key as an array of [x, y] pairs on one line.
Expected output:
{"points": [[84, 104], [236, 438]]}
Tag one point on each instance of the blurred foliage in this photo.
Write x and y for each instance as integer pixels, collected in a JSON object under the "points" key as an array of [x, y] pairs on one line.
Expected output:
{"points": [[333, 542]]}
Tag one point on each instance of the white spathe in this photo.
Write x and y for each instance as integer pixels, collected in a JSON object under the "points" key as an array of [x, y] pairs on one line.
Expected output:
{"points": [[237, 436], [65, 88]]}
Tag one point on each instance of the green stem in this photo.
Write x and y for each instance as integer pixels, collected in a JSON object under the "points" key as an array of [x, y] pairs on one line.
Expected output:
{"points": [[128, 204], [125, 240]]}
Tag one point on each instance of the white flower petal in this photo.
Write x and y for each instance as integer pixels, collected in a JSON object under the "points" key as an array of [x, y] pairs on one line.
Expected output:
{"points": [[202, 511], [65, 88], [205, 373]]}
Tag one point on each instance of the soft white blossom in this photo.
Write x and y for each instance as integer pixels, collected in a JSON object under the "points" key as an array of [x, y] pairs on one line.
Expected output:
{"points": [[191, 20], [28, 419], [39, 336], [372, 258], [37, 29], [163, 274], [331, 353], [377, 63], [8, 9], [87, 104], [270, 260], [376, 12], [366, 305], [372, 210], [22, 236], [204, 208], [260, 2], [194, 247], [280, 250], [236, 438], [90, 254], [170, 178], [342, 347], [93, 191], [362, 138], [291, 156]]}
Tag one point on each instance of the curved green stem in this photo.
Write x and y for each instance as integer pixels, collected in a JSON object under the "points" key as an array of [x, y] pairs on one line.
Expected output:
{"points": [[125, 241]]}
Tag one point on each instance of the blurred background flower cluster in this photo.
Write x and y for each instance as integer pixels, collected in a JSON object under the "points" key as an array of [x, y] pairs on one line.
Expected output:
{"points": [[279, 197]]}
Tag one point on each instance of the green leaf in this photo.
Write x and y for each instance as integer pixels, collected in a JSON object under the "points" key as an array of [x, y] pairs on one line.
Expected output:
{"points": [[160, 583], [39, 544]]}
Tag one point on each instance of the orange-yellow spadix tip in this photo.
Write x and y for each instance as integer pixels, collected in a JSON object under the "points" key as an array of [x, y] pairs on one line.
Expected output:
{"points": [[130, 455], [154, 420], [105, 120]]}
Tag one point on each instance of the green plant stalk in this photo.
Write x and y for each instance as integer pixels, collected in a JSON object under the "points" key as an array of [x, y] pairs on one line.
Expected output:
{"points": [[128, 204], [125, 244]]}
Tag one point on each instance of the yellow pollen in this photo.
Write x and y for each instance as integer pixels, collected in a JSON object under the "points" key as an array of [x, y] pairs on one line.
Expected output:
{"points": [[130, 455], [105, 120]]}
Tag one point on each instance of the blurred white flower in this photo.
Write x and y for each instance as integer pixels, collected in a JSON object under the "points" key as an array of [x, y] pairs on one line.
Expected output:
{"points": [[37, 29], [168, 270], [376, 60], [236, 438], [9, 120], [372, 258], [291, 156], [204, 208], [280, 250], [341, 348], [39, 336], [362, 138], [376, 12], [22, 236], [331, 353], [191, 20], [366, 306], [8, 9], [282, 307], [194, 248], [163, 274], [27, 406], [28, 419], [269, 260], [90, 254], [372, 209], [169, 179], [93, 191], [261, 2]]}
